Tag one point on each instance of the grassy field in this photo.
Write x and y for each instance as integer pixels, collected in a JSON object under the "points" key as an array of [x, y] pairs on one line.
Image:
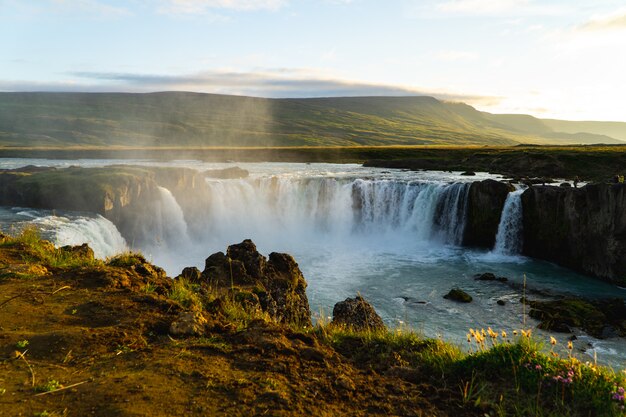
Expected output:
{"points": [[191, 120], [592, 162]]}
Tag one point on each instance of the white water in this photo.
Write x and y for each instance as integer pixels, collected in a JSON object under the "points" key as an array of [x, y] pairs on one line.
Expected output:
{"points": [[292, 209], [171, 226], [509, 239], [391, 235], [101, 235]]}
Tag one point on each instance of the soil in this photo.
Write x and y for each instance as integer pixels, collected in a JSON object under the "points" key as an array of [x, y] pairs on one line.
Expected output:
{"points": [[98, 338]]}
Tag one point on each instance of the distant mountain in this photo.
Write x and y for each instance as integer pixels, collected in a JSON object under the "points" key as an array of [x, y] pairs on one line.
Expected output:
{"points": [[182, 119]]}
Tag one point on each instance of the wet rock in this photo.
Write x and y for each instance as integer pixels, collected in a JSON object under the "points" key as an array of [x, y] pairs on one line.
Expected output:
{"points": [[277, 283], [357, 314], [459, 295], [501, 302], [601, 319], [565, 184], [485, 202], [488, 276], [190, 323], [468, 173], [579, 228]]}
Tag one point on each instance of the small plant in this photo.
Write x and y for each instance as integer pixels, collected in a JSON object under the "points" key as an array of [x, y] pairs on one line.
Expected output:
{"points": [[185, 293], [43, 413], [3, 391], [21, 344], [126, 260], [51, 385], [149, 288]]}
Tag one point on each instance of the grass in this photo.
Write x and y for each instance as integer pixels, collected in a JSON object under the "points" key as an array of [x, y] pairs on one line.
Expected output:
{"points": [[50, 385], [506, 375], [37, 251], [126, 260]]}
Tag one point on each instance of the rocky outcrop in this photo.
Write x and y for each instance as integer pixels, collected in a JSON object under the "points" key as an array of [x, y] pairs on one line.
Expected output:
{"points": [[227, 173], [357, 314], [277, 282], [485, 202], [579, 228], [456, 294], [600, 318]]}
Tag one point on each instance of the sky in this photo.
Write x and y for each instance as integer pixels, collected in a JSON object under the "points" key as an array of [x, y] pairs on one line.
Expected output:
{"points": [[552, 59]]}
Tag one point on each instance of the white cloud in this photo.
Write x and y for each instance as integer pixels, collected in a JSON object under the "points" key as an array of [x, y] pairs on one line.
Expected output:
{"points": [[203, 6], [609, 22]]}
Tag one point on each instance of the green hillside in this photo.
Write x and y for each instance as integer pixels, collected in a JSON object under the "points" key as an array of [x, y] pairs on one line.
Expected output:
{"points": [[192, 119]]}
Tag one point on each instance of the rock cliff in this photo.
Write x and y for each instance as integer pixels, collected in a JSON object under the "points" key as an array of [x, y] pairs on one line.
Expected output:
{"points": [[485, 202], [580, 228]]}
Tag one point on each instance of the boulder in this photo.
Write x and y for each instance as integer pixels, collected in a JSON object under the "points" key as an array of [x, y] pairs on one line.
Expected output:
{"points": [[488, 276], [82, 251], [277, 283], [189, 323], [459, 295], [191, 273], [357, 314], [484, 206]]}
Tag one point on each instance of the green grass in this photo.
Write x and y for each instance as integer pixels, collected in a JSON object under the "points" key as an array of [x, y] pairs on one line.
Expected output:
{"points": [[190, 119], [126, 260], [38, 251], [506, 376]]}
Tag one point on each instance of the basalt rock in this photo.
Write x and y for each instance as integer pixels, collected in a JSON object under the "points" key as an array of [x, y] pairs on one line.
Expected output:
{"points": [[191, 273], [357, 314], [82, 251], [277, 283], [601, 318], [485, 202], [579, 228], [459, 295]]}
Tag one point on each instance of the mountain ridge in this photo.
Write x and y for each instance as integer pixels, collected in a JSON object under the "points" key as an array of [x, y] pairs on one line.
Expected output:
{"points": [[187, 119]]}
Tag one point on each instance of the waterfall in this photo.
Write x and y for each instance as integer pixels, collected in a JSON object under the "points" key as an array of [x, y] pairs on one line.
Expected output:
{"points": [[171, 225], [334, 208], [99, 233], [509, 236]]}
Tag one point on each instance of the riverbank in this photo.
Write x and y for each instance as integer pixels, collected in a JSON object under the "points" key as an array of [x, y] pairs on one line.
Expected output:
{"points": [[86, 337], [590, 163]]}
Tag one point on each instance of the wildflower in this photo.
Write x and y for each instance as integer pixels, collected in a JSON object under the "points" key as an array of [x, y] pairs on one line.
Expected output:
{"points": [[538, 367], [503, 334], [514, 332], [552, 341], [570, 345]]}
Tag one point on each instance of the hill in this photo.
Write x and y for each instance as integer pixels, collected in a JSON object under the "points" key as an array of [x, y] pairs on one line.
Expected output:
{"points": [[183, 119]]}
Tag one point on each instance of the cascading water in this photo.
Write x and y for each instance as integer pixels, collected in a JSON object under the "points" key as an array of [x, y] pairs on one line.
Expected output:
{"points": [[101, 235], [171, 224], [509, 236], [336, 208]]}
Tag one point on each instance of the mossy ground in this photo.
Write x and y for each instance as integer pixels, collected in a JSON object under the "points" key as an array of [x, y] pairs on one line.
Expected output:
{"points": [[92, 339]]}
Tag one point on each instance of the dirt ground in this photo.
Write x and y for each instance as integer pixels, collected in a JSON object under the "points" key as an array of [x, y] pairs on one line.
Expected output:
{"points": [[88, 341]]}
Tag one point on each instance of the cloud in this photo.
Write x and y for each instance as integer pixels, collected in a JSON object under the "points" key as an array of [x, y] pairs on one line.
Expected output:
{"points": [[613, 21], [497, 8], [204, 6], [271, 83]]}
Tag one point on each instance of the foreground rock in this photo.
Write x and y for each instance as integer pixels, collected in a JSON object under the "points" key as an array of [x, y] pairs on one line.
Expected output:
{"points": [[277, 283], [580, 228], [357, 314]]}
